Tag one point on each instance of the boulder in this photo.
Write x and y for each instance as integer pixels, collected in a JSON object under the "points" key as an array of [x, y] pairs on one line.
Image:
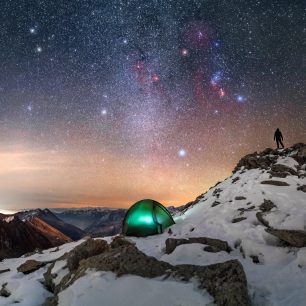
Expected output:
{"points": [[215, 203], [279, 168], [226, 282], [5, 270], [172, 243], [275, 183], [267, 205], [302, 188], [239, 219], [239, 198], [294, 238], [234, 180], [88, 248], [4, 291], [31, 266]]}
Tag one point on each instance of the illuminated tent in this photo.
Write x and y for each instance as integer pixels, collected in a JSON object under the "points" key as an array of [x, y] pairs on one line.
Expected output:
{"points": [[146, 217]]}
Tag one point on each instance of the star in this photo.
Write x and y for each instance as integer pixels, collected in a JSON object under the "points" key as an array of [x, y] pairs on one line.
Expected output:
{"points": [[38, 49], [184, 52], [182, 153], [241, 98]]}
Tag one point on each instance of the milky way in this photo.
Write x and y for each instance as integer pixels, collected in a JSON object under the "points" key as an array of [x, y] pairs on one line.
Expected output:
{"points": [[106, 102]]}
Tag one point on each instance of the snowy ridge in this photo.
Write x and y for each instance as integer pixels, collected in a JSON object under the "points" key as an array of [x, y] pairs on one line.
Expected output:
{"points": [[266, 191]]}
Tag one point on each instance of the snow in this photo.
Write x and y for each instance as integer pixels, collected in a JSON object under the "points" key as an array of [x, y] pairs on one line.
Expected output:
{"points": [[27, 290], [60, 269], [279, 279], [108, 289], [287, 161], [9, 219]]}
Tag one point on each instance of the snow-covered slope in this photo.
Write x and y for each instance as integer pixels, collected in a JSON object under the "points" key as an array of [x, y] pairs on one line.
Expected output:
{"points": [[260, 211]]}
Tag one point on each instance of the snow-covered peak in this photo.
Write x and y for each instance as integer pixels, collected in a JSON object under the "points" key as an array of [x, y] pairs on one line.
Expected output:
{"points": [[8, 219]]}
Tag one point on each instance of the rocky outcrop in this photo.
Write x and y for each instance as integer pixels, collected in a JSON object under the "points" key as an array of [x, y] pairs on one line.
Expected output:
{"points": [[274, 183], [292, 237], [88, 248], [187, 206], [5, 270], [267, 160], [238, 219], [280, 170], [4, 291], [31, 266], [302, 188], [172, 243], [226, 282], [267, 205], [239, 198]]}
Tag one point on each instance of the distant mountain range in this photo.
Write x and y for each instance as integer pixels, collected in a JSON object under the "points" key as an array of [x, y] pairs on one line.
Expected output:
{"points": [[94, 221], [18, 237], [29, 230]]}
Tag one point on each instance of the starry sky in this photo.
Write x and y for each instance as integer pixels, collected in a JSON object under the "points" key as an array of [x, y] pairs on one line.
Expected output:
{"points": [[103, 103]]}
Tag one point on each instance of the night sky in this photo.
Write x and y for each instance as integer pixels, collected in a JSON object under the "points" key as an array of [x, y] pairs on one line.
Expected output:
{"points": [[103, 103]]}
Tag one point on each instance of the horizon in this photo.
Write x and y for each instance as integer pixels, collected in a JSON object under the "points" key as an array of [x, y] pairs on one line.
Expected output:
{"points": [[104, 104]]}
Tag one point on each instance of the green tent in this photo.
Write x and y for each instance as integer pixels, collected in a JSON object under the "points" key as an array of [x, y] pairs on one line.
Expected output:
{"points": [[146, 217]]}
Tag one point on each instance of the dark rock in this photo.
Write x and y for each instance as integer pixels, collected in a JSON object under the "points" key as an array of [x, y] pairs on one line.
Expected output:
{"points": [[302, 188], [185, 207], [172, 243], [226, 282], [239, 198], [243, 210], [275, 183], [278, 168], [4, 292], [215, 203], [294, 238], [88, 248], [278, 174], [211, 249], [31, 266], [261, 219], [51, 301], [5, 270], [216, 192], [239, 219], [267, 205], [119, 241], [255, 259], [234, 180]]}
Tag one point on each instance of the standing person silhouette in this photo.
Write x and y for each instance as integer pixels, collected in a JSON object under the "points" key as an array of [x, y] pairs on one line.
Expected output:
{"points": [[278, 137]]}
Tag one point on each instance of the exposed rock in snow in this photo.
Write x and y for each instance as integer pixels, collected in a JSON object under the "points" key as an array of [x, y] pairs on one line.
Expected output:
{"points": [[30, 266], [267, 205], [172, 243], [302, 188], [226, 281], [274, 183], [293, 238]]}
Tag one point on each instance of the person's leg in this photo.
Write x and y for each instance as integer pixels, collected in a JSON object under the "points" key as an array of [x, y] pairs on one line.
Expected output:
{"points": [[277, 142], [280, 141]]}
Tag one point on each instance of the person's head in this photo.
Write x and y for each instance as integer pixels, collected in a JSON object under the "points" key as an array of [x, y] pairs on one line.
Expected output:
{"points": [[277, 129]]}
